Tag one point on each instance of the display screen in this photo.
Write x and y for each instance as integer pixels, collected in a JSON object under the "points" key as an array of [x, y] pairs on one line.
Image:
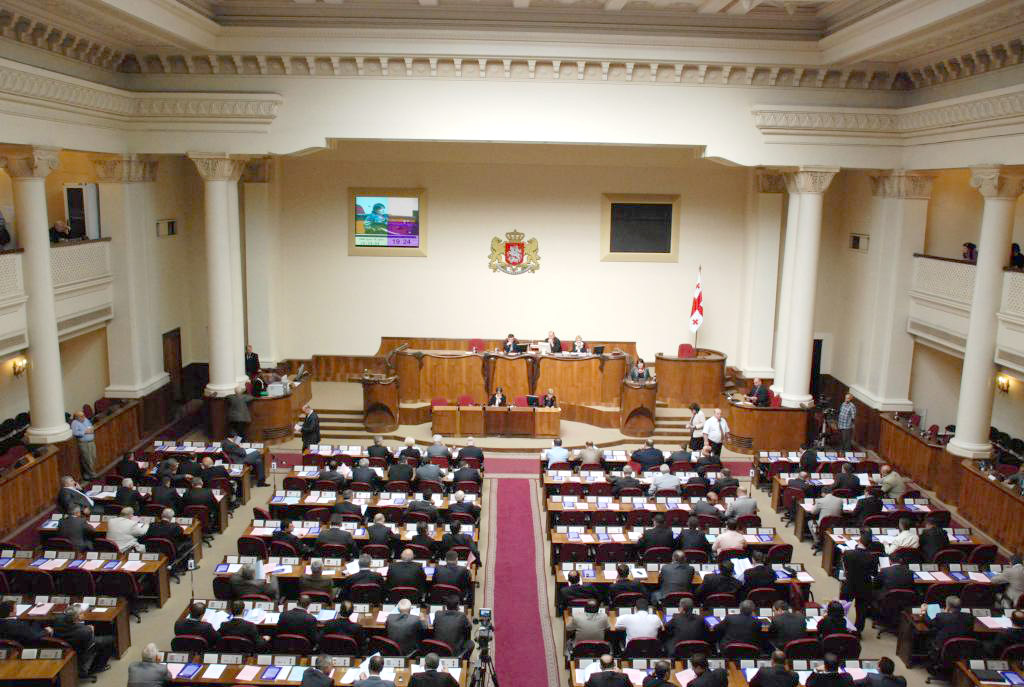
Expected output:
{"points": [[387, 221]]}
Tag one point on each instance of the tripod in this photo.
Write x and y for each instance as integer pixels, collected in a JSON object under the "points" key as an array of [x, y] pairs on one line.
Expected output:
{"points": [[482, 670]]}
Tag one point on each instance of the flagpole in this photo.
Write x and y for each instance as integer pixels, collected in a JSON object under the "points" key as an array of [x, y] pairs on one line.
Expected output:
{"points": [[700, 278]]}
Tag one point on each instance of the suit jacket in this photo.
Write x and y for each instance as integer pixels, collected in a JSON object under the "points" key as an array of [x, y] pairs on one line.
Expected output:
{"points": [[148, 674], [625, 587], [711, 678], [716, 583], [298, 621], [656, 536], [128, 497], [316, 584], [214, 472], [20, 631], [425, 507], [336, 536], [808, 460], [167, 497], [332, 476], [314, 678], [129, 468], [406, 574], [165, 530], [684, 628], [187, 466], [774, 677], [879, 680], [827, 626], [693, 539], [346, 507], [495, 401], [739, 628], [311, 429], [817, 679], [373, 681], [406, 630], [867, 506], [625, 483], [190, 626], [950, 625], [232, 450], [241, 587], [452, 627], [201, 497], [427, 542], [471, 452], [465, 474], [787, 627], [861, 567], [895, 577], [758, 576], [289, 538], [66, 498], [239, 627], [461, 539], [455, 575], [848, 481], [608, 678], [343, 626], [238, 408], [464, 507], [382, 534], [367, 475], [400, 472], [579, 591], [760, 394], [432, 678], [931, 541], [78, 531], [648, 457], [676, 577], [252, 363], [1013, 577], [361, 577]]}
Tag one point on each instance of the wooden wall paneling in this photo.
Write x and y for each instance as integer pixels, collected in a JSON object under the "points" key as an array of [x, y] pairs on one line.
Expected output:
{"points": [[117, 434], [173, 362], [682, 381], [67, 458], [449, 375], [156, 410], [414, 415], [512, 373], [613, 371], [407, 365], [765, 429], [29, 490], [638, 407], [598, 417], [346, 368], [380, 404], [389, 343], [992, 507], [910, 454], [574, 380]]}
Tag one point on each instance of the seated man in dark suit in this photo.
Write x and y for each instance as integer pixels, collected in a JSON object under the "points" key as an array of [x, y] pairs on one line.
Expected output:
{"points": [[896, 576], [238, 626], [787, 625], [648, 457], [721, 582], [833, 622], [77, 529], [21, 631], [364, 474], [284, 534], [627, 481], [315, 581], [299, 621], [425, 540], [676, 576], [164, 527], [127, 467], [725, 480], [658, 535], [244, 582], [236, 454], [624, 584], [846, 479], [865, 507], [126, 495], [778, 675], [401, 471], [685, 626], [471, 450], [201, 495], [608, 676], [380, 533], [742, 627], [759, 575], [71, 493], [884, 677], [362, 576], [575, 590], [319, 673], [705, 676], [464, 473], [431, 676], [459, 504], [693, 536], [809, 459], [453, 574], [406, 572], [379, 450], [334, 473], [345, 506], [166, 495], [193, 624], [424, 506], [1008, 637], [404, 628], [683, 455], [342, 625], [456, 537], [709, 506], [212, 471], [801, 482], [758, 394], [932, 539], [334, 535], [187, 465], [93, 651], [451, 626], [947, 624], [828, 675], [410, 451]]}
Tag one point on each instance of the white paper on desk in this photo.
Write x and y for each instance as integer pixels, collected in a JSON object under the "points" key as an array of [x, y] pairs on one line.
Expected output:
{"points": [[53, 564], [102, 609], [41, 609], [633, 535], [21, 608], [941, 577], [255, 615], [93, 565], [994, 623], [214, 671], [215, 617], [271, 618], [245, 674], [326, 614], [132, 566], [618, 537], [804, 576], [262, 531], [352, 568], [978, 577], [326, 572], [354, 617], [812, 622], [635, 676], [286, 673], [924, 575], [683, 677], [175, 668], [587, 538], [802, 676], [857, 673], [382, 616]]}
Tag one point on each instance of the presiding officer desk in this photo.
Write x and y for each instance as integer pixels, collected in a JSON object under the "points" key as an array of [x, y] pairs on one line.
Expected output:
{"points": [[272, 416], [757, 428]]}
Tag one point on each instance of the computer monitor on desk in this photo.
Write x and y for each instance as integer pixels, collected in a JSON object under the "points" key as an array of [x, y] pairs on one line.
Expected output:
{"points": [[532, 401], [521, 348], [598, 350]]}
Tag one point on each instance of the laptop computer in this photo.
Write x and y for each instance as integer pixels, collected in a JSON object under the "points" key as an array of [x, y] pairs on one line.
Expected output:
{"points": [[598, 350]]}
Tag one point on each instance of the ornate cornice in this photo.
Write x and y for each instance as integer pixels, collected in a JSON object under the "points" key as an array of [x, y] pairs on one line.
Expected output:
{"points": [[23, 84], [218, 166], [810, 179], [994, 182], [35, 163], [770, 181], [125, 169], [902, 184]]}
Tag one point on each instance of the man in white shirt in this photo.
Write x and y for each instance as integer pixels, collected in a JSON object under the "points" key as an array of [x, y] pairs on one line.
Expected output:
{"points": [[664, 481], [906, 539], [556, 454], [730, 539], [124, 529], [640, 623], [716, 430]]}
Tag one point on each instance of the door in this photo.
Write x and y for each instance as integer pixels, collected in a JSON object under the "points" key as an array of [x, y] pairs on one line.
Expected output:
{"points": [[172, 362], [816, 370]]}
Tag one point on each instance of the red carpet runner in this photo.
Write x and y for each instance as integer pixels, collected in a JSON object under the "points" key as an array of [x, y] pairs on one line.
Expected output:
{"points": [[524, 651]]}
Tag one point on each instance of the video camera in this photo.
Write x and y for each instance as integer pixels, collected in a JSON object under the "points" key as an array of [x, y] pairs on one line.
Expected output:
{"points": [[484, 635]]}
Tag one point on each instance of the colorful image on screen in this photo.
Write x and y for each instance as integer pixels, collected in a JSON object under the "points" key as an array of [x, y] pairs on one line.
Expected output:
{"points": [[387, 221]]}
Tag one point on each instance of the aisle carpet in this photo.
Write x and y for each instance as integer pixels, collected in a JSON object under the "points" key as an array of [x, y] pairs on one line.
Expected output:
{"points": [[524, 651]]}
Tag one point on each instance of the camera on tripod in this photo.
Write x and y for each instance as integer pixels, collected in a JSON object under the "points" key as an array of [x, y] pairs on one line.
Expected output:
{"points": [[485, 634], [483, 668]]}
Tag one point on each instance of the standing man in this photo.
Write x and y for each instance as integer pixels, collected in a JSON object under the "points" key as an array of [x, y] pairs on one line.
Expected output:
{"points": [[861, 567], [238, 411], [847, 416], [310, 427], [81, 428], [252, 361], [716, 430]]}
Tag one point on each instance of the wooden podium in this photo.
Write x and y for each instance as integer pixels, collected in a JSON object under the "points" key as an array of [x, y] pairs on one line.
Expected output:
{"points": [[380, 403], [637, 414], [495, 420], [753, 429]]}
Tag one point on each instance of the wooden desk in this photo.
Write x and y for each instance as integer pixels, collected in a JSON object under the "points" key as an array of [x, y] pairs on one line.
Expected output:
{"points": [[519, 422], [682, 381], [380, 403], [991, 506], [495, 421], [910, 453], [273, 417], [914, 637], [193, 533], [830, 552], [38, 673], [637, 412], [445, 420], [230, 677], [753, 429], [108, 620], [155, 570], [547, 422], [359, 533], [29, 490], [471, 420]]}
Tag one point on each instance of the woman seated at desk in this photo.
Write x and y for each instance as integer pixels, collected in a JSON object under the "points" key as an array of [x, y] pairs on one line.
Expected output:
{"points": [[548, 400], [578, 346], [639, 373], [498, 399]]}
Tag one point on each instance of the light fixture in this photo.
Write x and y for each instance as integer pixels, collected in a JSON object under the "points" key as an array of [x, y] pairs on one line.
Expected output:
{"points": [[18, 366], [1003, 383]]}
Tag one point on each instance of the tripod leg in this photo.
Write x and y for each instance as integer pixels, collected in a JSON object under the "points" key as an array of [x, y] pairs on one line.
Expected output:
{"points": [[489, 663]]}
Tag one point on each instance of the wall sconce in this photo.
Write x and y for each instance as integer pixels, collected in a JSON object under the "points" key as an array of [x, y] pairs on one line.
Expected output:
{"points": [[1003, 383], [18, 366]]}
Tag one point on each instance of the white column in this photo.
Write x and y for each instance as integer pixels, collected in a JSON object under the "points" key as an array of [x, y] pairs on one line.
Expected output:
{"points": [[977, 382], [261, 258], [28, 171], [760, 274], [899, 214], [217, 170], [134, 346], [786, 287], [237, 287], [810, 184]]}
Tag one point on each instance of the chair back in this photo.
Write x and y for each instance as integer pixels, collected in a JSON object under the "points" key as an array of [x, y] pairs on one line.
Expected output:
{"points": [[36, 582], [764, 597], [983, 554], [590, 648], [118, 583], [611, 552], [695, 491], [844, 645], [441, 648], [976, 595], [377, 551], [878, 520], [803, 649], [396, 594], [959, 649], [626, 599], [190, 644], [383, 646], [780, 553], [721, 600], [686, 350], [59, 544], [438, 401], [234, 644], [750, 520], [639, 518], [696, 555], [287, 643], [282, 548], [937, 593], [466, 400], [726, 554], [294, 484], [1013, 653], [643, 647], [367, 593], [102, 544], [738, 651], [222, 588], [726, 491], [439, 593], [200, 513], [252, 546], [76, 582], [656, 554], [571, 552], [689, 647], [339, 645]]}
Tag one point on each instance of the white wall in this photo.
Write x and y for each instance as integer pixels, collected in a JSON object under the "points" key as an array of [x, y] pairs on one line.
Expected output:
{"points": [[935, 385], [1008, 409], [342, 304], [954, 215]]}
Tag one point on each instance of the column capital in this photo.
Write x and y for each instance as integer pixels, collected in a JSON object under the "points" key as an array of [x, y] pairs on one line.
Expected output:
{"points": [[994, 181], [124, 169], [899, 183], [219, 166], [257, 171], [33, 163], [810, 179], [769, 180]]}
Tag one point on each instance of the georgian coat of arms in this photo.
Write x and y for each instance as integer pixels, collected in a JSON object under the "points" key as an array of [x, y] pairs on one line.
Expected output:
{"points": [[514, 256]]}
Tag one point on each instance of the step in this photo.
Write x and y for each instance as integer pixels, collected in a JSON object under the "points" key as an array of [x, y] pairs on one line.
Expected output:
{"points": [[331, 411], [662, 422]]}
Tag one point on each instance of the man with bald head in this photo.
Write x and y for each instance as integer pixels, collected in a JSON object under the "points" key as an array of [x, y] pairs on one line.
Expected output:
{"points": [[406, 572], [404, 628]]}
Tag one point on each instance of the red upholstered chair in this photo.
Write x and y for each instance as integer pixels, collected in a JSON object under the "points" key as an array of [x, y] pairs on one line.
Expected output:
{"points": [[439, 401], [686, 351], [477, 345], [466, 400], [87, 411], [776, 402], [520, 402]]}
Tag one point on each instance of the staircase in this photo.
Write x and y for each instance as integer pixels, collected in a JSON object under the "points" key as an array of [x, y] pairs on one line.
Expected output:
{"points": [[342, 424], [670, 425]]}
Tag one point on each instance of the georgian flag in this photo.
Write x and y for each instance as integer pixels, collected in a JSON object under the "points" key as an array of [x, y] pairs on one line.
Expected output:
{"points": [[697, 309]]}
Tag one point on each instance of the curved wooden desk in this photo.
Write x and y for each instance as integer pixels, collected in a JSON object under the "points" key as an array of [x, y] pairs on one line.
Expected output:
{"points": [[636, 418], [272, 416], [682, 381], [380, 403], [753, 429], [912, 454]]}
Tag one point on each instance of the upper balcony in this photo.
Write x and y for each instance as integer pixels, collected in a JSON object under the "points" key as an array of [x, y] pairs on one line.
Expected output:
{"points": [[940, 305], [82, 286]]}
